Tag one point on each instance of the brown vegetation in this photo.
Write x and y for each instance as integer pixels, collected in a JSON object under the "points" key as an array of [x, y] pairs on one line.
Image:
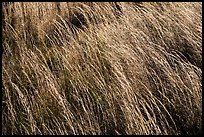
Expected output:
{"points": [[102, 68]]}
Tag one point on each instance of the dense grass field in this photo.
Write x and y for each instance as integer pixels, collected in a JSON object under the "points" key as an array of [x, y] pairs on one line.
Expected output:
{"points": [[101, 68]]}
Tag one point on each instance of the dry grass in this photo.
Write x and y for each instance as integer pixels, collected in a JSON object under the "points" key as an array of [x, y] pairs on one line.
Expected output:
{"points": [[102, 68]]}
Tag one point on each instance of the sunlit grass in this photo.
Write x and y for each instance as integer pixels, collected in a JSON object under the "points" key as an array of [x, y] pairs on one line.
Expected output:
{"points": [[102, 68]]}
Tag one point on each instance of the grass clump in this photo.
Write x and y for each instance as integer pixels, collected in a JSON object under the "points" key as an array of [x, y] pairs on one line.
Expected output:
{"points": [[104, 68]]}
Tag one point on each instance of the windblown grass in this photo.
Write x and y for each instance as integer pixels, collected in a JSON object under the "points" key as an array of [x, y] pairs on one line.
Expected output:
{"points": [[102, 68]]}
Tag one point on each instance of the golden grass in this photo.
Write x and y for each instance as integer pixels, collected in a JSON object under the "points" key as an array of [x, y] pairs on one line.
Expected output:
{"points": [[102, 68]]}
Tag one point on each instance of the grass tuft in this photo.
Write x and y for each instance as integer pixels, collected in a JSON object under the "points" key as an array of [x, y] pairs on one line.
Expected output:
{"points": [[105, 68]]}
